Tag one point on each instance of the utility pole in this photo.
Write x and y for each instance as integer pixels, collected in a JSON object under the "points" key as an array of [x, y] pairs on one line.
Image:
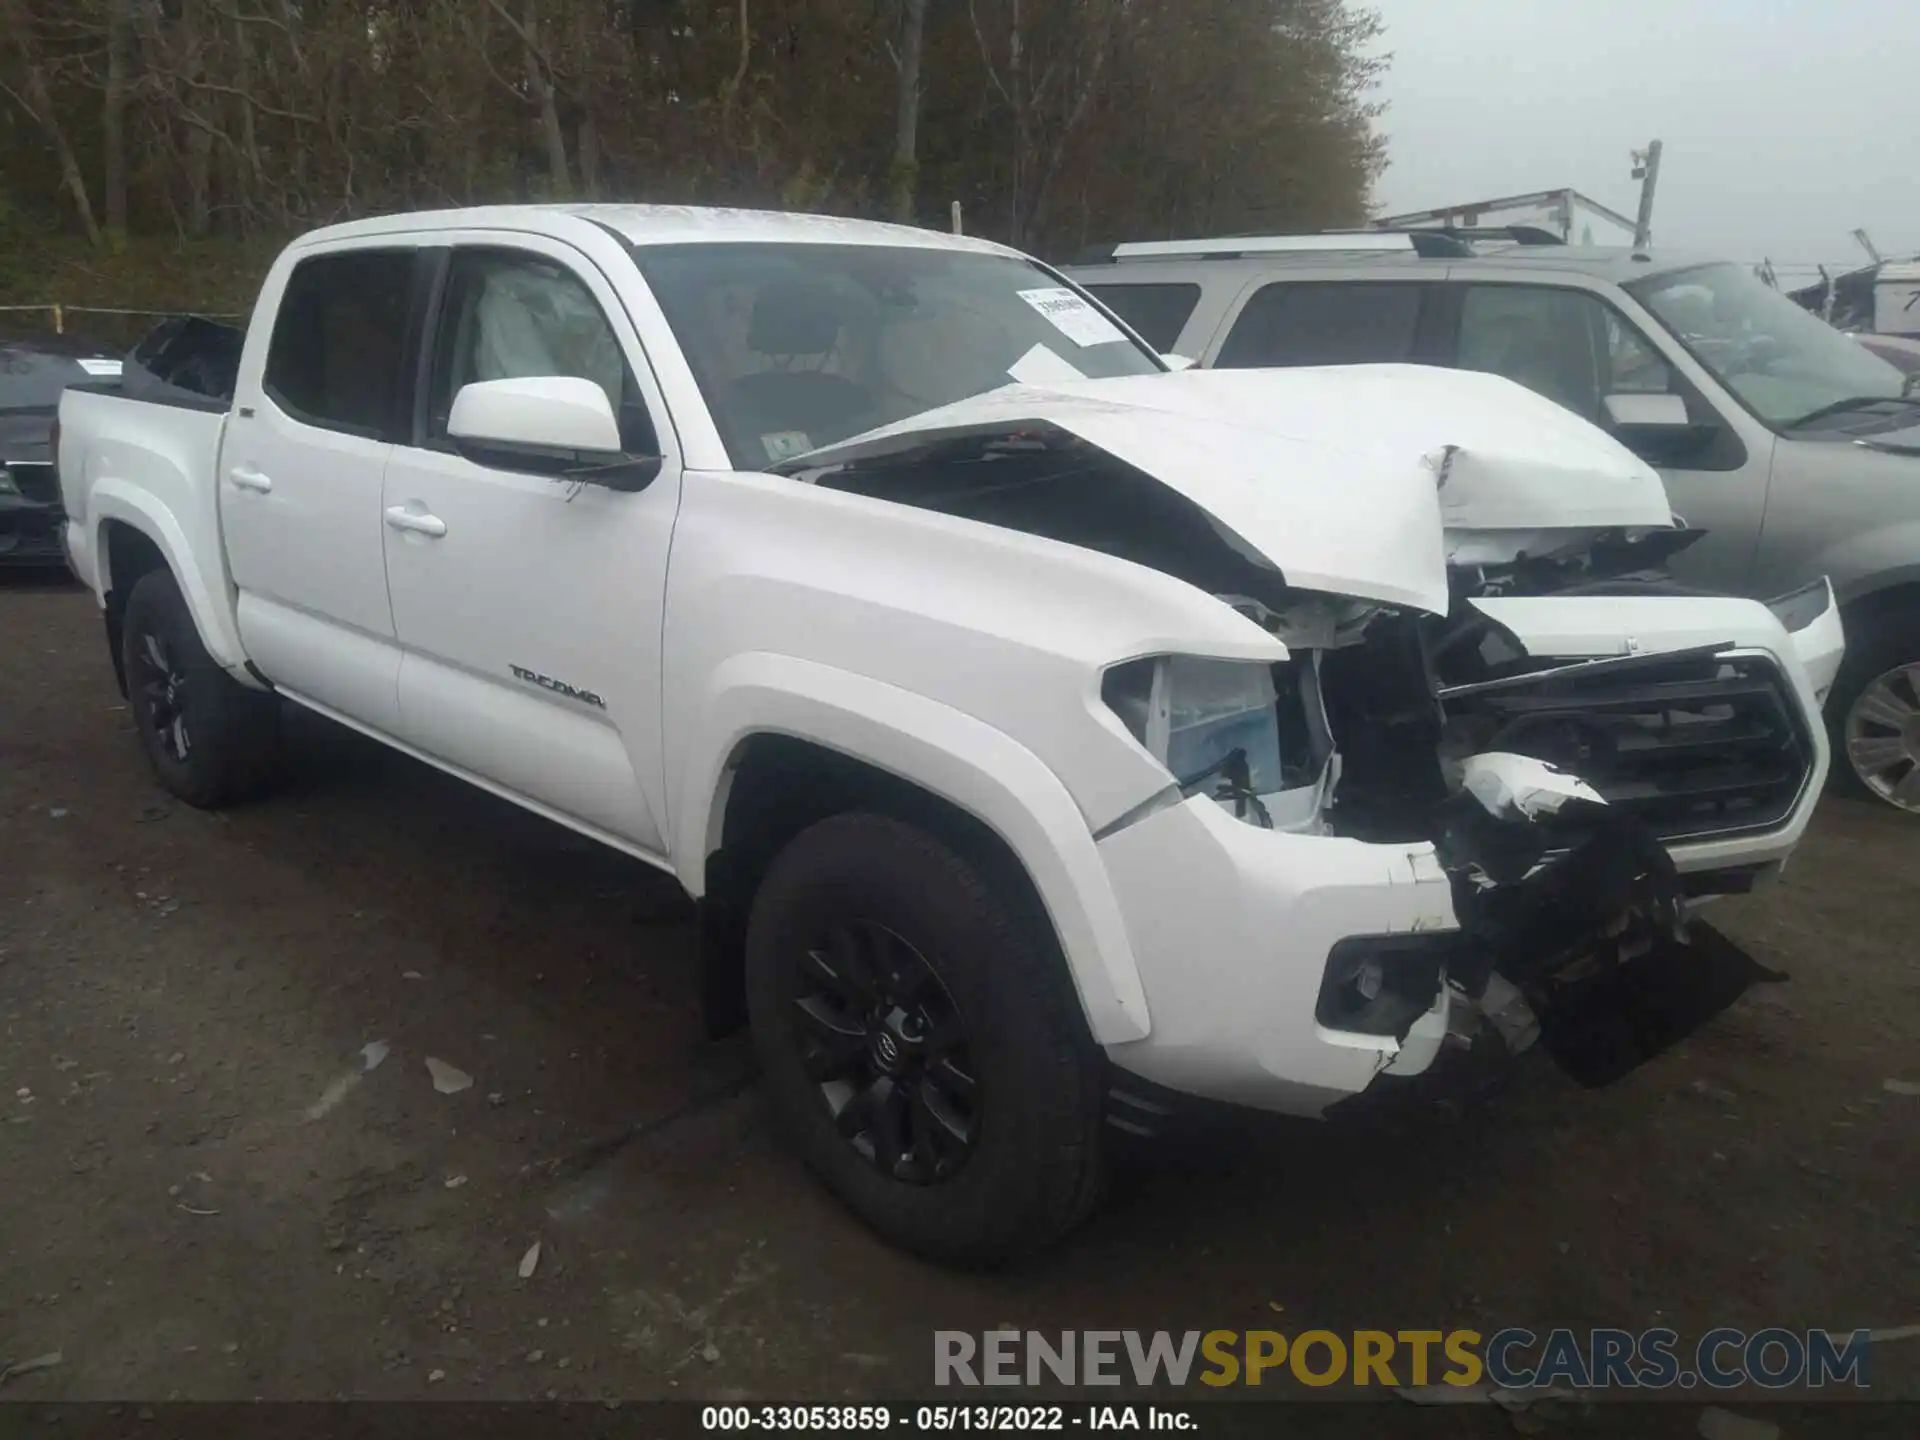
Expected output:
{"points": [[1646, 169]]}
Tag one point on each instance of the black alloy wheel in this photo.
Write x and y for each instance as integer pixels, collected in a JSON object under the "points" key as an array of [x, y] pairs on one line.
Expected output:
{"points": [[921, 1040], [888, 1048], [209, 739], [162, 687]]}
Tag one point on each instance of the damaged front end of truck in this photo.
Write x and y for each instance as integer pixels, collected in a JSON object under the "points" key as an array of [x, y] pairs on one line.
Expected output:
{"points": [[1482, 667]]}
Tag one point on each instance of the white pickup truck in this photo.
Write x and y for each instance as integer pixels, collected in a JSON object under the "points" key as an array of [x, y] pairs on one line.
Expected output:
{"points": [[1051, 738]]}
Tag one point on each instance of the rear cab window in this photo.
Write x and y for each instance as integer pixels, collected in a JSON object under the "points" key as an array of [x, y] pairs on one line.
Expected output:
{"points": [[1157, 312], [339, 344], [1317, 322]]}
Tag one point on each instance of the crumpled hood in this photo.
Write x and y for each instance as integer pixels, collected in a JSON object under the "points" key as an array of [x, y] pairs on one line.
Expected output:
{"points": [[1363, 481], [1517, 473]]}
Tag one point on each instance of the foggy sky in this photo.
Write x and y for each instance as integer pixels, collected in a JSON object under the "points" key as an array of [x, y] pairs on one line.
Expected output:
{"points": [[1786, 123]]}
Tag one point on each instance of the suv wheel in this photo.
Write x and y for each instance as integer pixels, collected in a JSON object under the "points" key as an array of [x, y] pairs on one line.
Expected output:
{"points": [[925, 1053], [1874, 713], [209, 739]]}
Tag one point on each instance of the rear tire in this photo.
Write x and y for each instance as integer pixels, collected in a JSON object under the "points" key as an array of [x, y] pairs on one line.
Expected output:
{"points": [[211, 740], [1876, 749], [924, 1049]]}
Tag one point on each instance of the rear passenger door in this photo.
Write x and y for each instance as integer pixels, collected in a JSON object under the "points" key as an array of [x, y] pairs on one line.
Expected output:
{"points": [[321, 395], [1333, 322]]}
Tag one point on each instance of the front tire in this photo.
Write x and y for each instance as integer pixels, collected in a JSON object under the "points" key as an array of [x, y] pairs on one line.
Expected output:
{"points": [[1873, 715], [924, 1049], [211, 740]]}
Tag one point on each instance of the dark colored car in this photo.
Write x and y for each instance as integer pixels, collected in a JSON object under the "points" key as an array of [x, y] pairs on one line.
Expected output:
{"points": [[33, 372]]}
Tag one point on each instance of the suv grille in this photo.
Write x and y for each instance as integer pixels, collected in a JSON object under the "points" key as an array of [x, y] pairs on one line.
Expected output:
{"points": [[1697, 746]]}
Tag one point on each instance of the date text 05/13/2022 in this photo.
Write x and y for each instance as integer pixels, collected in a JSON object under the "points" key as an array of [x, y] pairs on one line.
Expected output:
{"points": [[922, 1419]]}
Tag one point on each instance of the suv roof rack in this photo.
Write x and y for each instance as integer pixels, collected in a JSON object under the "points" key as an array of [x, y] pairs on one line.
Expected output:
{"points": [[1512, 234], [1426, 243]]}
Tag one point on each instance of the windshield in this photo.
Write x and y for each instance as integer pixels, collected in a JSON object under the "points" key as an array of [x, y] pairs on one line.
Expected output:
{"points": [[800, 346], [1783, 362]]}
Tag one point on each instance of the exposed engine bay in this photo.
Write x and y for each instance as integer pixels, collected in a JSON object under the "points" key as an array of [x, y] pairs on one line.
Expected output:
{"points": [[1550, 789], [1550, 792]]}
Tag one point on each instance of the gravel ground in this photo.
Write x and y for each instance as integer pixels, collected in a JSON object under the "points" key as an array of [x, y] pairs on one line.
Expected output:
{"points": [[209, 1193]]}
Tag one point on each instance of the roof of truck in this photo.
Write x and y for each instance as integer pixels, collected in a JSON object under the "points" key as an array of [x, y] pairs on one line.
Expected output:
{"points": [[671, 225]]}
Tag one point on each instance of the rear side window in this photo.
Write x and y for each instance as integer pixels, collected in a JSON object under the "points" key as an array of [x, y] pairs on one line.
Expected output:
{"points": [[1158, 313], [1319, 323], [338, 341]]}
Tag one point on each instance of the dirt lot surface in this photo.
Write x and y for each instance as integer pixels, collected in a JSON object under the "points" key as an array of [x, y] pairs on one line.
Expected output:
{"points": [[205, 1191]]}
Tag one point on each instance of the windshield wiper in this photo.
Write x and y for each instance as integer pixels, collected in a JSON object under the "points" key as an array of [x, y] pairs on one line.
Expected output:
{"points": [[1852, 402]]}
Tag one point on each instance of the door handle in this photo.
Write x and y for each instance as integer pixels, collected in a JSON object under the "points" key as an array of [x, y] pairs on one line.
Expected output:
{"points": [[401, 518], [247, 478]]}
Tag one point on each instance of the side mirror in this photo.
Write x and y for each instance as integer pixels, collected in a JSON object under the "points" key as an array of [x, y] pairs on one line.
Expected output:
{"points": [[1178, 362], [558, 425], [1664, 413]]}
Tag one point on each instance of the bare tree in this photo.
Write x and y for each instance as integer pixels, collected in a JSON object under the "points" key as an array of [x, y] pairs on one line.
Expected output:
{"points": [[730, 95], [905, 176], [113, 115], [1050, 120], [37, 102], [540, 82]]}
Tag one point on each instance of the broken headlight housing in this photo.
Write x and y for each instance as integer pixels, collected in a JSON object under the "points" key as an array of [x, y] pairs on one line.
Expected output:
{"points": [[1231, 729]]}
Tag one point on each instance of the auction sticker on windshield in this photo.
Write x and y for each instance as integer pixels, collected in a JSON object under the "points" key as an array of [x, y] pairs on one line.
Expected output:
{"points": [[1073, 317], [1042, 366], [785, 444]]}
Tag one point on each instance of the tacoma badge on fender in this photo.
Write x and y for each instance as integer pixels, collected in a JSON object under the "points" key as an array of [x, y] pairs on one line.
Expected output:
{"points": [[559, 687]]}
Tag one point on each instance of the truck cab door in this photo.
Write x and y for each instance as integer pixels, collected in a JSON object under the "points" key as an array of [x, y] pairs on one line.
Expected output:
{"points": [[529, 608], [301, 468], [1577, 347]]}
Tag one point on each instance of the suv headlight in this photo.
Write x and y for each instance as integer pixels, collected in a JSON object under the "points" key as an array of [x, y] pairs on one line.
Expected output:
{"points": [[1214, 724], [7, 484]]}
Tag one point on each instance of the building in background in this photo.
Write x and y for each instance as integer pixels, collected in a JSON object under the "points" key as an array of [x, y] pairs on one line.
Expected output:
{"points": [[1881, 299]]}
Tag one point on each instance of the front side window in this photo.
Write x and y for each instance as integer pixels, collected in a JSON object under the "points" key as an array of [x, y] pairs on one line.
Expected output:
{"points": [[1312, 322], [509, 315], [1786, 365], [1157, 313], [798, 346], [1557, 343], [1576, 349], [1633, 366], [338, 340]]}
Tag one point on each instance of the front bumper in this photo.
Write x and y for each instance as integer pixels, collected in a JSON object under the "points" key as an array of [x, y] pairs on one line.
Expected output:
{"points": [[1232, 927]]}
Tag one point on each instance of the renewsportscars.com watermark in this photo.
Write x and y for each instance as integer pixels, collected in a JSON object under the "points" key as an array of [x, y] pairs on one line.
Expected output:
{"points": [[1513, 1358]]}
